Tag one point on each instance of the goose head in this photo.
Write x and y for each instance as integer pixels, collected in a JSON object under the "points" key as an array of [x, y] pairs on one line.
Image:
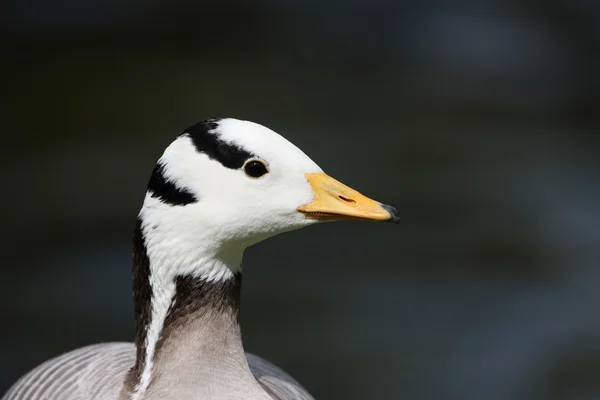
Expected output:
{"points": [[219, 187], [226, 184]]}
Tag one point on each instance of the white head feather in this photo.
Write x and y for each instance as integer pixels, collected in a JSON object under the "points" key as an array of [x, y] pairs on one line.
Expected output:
{"points": [[233, 210]]}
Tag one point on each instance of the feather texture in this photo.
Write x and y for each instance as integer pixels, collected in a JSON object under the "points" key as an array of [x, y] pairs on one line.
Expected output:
{"points": [[97, 372]]}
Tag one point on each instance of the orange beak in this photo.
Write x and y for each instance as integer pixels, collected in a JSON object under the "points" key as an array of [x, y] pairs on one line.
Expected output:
{"points": [[335, 201]]}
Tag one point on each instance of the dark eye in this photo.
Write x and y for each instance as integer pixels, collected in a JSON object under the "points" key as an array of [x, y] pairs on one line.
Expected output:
{"points": [[255, 168]]}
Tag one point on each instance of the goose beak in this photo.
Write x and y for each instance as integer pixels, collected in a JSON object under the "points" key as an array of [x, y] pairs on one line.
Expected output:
{"points": [[334, 201]]}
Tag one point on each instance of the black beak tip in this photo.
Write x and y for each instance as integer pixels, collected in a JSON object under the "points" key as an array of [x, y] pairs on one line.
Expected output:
{"points": [[393, 212]]}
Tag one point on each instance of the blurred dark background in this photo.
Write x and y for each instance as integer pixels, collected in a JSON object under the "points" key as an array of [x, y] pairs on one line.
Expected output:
{"points": [[478, 121]]}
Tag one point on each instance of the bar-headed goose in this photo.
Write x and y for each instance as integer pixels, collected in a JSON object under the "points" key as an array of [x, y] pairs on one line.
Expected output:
{"points": [[221, 186]]}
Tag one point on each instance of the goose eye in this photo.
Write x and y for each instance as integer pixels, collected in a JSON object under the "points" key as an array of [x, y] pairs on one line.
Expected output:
{"points": [[255, 168]]}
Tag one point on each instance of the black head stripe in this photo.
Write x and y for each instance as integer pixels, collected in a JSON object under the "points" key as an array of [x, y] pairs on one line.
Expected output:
{"points": [[209, 143], [162, 188]]}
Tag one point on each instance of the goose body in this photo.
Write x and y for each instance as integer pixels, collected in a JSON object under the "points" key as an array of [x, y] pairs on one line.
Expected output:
{"points": [[75, 375], [219, 187]]}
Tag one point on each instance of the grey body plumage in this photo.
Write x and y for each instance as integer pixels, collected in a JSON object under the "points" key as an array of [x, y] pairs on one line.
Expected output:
{"points": [[96, 372]]}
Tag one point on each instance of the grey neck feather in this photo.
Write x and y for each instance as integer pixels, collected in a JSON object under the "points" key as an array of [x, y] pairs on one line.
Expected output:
{"points": [[200, 346], [200, 352]]}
